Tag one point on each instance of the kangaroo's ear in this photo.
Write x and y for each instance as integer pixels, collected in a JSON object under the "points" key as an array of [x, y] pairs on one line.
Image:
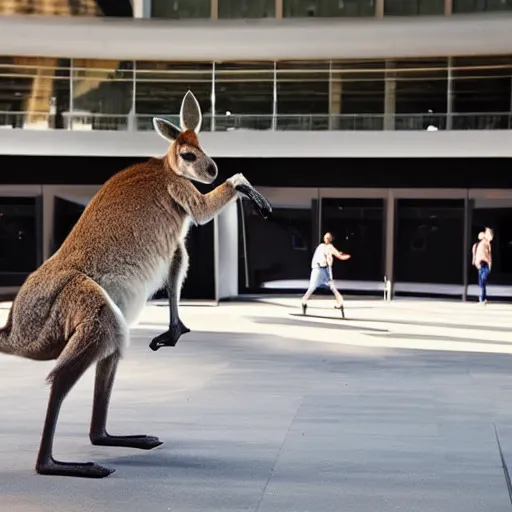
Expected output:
{"points": [[166, 129], [190, 113]]}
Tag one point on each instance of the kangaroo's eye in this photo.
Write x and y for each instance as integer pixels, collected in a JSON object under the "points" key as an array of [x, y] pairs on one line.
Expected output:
{"points": [[188, 157]]}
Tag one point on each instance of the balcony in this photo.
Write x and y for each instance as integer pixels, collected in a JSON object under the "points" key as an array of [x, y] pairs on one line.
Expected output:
{"points": [[285, 122]]}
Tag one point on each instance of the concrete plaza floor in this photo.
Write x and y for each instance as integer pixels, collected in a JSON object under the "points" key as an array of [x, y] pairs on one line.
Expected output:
{"points": [[262, 409]]}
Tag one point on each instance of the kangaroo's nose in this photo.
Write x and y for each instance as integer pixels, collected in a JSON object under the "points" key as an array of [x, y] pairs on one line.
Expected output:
{"points": [[212, 170]]}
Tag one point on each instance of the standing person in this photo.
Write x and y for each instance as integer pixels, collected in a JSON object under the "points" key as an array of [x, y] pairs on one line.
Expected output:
{"points": [[321, 272], [483, 262]]}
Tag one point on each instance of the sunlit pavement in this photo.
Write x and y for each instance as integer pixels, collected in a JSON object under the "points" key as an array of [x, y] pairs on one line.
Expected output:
{"points": [[262, 409]]}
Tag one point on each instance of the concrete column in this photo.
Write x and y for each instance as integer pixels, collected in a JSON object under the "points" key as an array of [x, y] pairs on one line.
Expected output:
{"points": [[279, 9], [379, 8], [390, 239], [335, 92], [214, 6], [48, 212], [389, 97], [226, 252], [466, 244], [141, 8], [449, 96], [448, 7]]}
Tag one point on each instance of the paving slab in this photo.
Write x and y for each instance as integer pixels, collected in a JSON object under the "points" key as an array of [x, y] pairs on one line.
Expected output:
{"points": [[261, 409]]}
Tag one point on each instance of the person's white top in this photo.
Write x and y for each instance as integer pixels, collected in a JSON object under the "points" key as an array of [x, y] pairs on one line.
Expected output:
{"points": [[322, 256]]}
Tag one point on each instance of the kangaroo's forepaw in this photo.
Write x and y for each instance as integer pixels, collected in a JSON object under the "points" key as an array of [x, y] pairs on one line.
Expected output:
{"points": [[170, 337], [261, 204], [141, 442]]}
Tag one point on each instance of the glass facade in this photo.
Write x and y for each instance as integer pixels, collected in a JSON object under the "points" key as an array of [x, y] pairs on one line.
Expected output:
{"points": [[20, 243], [407, 94], [247, 9], [413, 7], [178, 9], [327, 8], [463, 6], [429, 241]]}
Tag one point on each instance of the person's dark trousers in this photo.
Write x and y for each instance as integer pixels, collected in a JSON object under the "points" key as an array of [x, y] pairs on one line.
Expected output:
{"points": [[483, 275]]}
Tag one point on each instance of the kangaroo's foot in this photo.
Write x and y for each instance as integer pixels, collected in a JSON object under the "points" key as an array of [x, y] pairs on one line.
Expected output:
{"points": [[170, 337], [76, 469], [140, 442]]}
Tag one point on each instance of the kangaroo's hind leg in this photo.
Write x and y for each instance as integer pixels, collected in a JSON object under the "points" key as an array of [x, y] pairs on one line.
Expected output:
{"points": [[98, 331], [105, 373]]}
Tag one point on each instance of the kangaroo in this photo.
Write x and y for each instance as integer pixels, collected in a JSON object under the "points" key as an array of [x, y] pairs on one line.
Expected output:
{"points": [[78, 305]]}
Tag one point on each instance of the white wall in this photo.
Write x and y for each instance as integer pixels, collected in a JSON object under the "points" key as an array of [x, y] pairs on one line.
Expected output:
{"points": [[485, 143], [391, 37]]}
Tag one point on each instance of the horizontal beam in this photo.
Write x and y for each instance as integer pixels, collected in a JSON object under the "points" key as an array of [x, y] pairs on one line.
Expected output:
{"points": [[334, 144], [267, 39]]}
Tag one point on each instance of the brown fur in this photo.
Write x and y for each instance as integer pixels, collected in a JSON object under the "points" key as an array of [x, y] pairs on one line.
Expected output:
{"points": [[77, 306]]}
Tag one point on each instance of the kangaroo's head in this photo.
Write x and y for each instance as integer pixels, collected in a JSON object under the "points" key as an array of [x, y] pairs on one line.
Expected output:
{"points": [[185, 156]]}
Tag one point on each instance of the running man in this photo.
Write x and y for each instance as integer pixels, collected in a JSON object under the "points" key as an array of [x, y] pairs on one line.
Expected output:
{"points": [[321, 272], [483, 262]]}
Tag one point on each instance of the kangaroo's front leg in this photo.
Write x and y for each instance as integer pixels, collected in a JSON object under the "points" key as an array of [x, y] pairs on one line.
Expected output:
{"points": [[105, 373], [177, 273]]}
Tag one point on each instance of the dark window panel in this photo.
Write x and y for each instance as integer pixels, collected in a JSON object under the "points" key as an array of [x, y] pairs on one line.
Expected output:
{"points": [[328, 8], [247, 8], [429, 241], [178, 9], [357, 226]]}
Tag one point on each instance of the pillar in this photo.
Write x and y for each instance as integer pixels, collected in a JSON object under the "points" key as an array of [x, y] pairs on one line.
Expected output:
{"points": [[226, 252], [390, 239], [449, 95], [214, 9], [448, 7], [389, 97], [379, 8], [141, 8], [48, 213], [279, 9], [335, 92]]}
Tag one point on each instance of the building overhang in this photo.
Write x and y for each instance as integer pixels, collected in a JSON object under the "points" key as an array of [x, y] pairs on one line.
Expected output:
{"points": [[266, 144], [268, 39]]}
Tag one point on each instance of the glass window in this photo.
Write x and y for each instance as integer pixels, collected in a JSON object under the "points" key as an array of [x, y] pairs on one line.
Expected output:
{"points": [[178, 9], [421, 93], [499, 218], [160, 87], [481, 85], [357, 226], [292, 230], [328, 8], [460, 6], [102, 94], [413, 7], [19, 239], [244, 95], [303, 95], [429, 241], [34, 92], [357, 88], [247, 8]]}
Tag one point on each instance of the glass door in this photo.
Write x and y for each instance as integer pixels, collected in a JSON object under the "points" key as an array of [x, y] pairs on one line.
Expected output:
{"points": [[429, 244]]}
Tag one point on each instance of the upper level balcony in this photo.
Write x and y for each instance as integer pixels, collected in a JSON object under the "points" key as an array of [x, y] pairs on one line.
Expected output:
{"points": [[257, 101]]}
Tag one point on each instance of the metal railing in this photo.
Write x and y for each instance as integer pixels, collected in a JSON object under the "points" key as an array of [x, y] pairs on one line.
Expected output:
{"points": [[77, 121]]}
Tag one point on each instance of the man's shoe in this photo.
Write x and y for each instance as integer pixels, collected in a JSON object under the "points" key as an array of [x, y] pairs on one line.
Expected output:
{"points": [[304, 308]]}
